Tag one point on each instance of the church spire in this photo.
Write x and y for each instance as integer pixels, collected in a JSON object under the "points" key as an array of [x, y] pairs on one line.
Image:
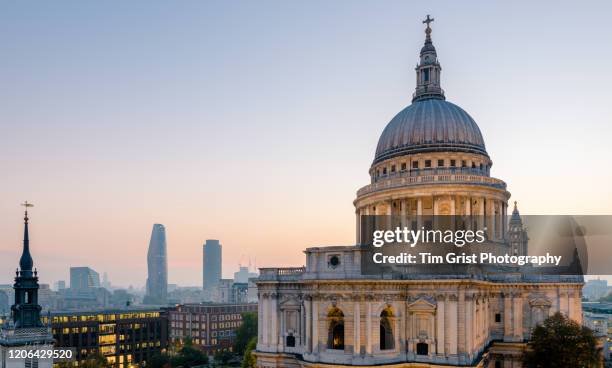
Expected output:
{"points": [[428, 70], [26, 310], [25, 262]]}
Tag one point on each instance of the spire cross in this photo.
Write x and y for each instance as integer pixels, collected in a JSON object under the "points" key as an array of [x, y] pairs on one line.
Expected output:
{"points": [[26, 205], [428, 20]]}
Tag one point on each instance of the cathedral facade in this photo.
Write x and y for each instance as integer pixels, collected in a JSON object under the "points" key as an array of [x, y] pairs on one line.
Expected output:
{"points": [[430, 161]]}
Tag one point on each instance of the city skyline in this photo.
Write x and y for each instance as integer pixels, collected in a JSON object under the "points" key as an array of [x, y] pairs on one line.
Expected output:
{"points": [[233, 115]]}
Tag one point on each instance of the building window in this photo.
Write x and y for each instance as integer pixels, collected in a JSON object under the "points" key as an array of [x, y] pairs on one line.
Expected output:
{"points": [[463, 163], [426, 75], [415, 164], [392, 168], [290, 341], [497, 317], [403, 166], [480, 166], [498, 364], [384, 171], [453, 163], [386, 333], [422, 348], [427, 163], [335, 338], [440, 163], [473, 165]]}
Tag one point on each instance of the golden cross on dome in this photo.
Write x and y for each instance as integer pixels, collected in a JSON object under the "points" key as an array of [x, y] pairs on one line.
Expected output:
{"points": [[428, 20]]}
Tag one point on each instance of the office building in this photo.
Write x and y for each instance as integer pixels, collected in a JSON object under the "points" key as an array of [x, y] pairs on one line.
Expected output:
{"points": [[83, 278], [157, 263], [212, 327], [212, 256], [125, 337]]}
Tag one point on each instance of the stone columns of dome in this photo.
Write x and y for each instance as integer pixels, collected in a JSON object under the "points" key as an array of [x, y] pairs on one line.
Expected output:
{"points": [[440, 312], [508, 316], [461, 327], [308, 327], [260, 320], [452, 211], [563, 303], [302, 328], [315, 327], [518, 317], [358, 226], [368, 347], [450, 320], [281, 331], [266, 320], [489, 218], [419, 212], [396, 334], [356, 329], [436, 212], [469, 324], [481, 214], [468, 212], [389, 214], [404, 212], [274, 321], [504, 219]]}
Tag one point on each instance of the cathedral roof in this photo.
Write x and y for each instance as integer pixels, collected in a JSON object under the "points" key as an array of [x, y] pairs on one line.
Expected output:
{"points": [[430, 123], [428, 126]]}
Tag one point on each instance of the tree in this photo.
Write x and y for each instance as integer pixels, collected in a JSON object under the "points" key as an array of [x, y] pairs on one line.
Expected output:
{"points": [[189, 356], [607, 298], [95, 361], [159, 361], [223, 357], [561, 342], [246, 331], [249, 360]]}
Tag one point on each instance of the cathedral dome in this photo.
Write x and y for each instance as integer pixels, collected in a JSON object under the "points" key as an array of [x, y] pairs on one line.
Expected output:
{"points": [[430, 125]]}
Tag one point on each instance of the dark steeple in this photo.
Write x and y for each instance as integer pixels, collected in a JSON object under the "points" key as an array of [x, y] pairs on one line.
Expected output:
{"points": [[26, 311], [26, 263]]}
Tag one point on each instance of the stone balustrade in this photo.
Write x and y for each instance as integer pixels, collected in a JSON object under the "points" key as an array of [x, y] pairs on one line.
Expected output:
{"points": [[403, 181]]}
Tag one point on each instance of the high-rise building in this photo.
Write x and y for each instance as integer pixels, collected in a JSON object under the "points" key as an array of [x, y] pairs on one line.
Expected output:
{"points": [[157, 281], [60, 285], [82, 278], [244, 274], [25, 330], [212, 264]]}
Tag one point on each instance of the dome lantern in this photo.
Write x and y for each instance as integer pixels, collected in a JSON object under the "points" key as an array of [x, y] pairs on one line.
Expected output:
{"points": [[428, 70]]}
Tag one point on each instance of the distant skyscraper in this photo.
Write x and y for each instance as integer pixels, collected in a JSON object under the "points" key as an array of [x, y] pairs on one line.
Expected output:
{"points": [[83, 278], [243, 275], [212, 264], [157, 282], [60, 285]]}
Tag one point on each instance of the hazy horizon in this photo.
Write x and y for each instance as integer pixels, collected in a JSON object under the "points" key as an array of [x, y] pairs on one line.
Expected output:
{"points": [[255, 123]]}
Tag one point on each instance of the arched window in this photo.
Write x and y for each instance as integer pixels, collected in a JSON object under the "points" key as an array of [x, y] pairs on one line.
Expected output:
{"points": [[422, 348], [386, 331], [290, 341], [335, 337]]}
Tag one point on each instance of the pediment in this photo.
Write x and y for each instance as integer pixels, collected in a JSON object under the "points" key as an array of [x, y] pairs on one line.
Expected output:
{"points": [[422, 305], [540, 302]]}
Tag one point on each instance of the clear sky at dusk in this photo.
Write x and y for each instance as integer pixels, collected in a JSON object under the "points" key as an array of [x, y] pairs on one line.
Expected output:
{"points": [[256, 122]]}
